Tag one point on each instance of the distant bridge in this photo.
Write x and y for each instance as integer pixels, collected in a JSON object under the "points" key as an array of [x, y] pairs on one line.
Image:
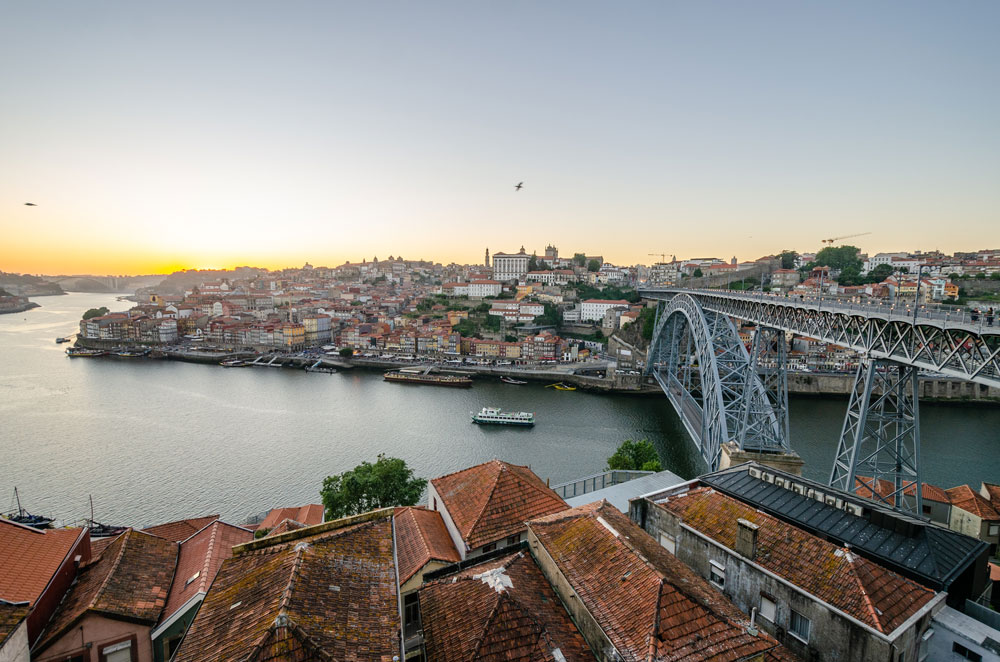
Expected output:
{"points": [[724, 393]]}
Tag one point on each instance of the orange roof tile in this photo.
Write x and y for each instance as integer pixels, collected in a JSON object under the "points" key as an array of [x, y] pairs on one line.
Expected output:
{"points": [[493, 500], [129, 580], [499, 611], [308, 515], [320, 593], [994, 572], [865, 590], [30, 557], [284, 526], [199, 560], [992, 492], [181, 529], [635, 589], [969, 500], [862, 487], [421, 537]]}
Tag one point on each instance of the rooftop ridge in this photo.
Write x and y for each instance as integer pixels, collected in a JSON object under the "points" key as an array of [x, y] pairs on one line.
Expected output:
{"points": [[114, 566], [278, 541], [423, 541], [486, 501], [850, 558]]}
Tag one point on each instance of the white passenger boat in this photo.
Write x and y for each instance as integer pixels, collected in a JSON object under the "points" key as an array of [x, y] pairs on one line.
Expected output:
{"points": [[495, 416]]}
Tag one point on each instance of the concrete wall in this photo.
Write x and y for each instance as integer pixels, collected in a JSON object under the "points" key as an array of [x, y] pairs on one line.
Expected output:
{"points": [[833, 636], [930, 388], [15, 649], [938, 512], [98, 631], [971, 525], [953, 627]]}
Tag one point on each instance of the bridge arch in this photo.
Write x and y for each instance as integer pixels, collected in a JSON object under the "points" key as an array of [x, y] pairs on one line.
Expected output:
{"points": [[702, 365]]}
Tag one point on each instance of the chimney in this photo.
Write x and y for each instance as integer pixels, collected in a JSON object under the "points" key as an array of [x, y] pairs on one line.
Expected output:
{"points": [[746, 538]]}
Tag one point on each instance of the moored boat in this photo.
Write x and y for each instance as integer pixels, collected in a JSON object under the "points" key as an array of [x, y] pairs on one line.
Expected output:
{"points": [[132, 353], [432, 380], [85, 352], [511, 380], [496, 416], [60, 340], [22, 516], [233, 363], [562, 386]]}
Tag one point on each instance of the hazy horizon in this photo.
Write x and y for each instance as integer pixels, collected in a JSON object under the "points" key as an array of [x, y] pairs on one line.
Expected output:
{"points": [[160, 138]]}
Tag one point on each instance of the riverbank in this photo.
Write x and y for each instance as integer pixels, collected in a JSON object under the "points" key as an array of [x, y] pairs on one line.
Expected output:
{"points": [[19, 309]]}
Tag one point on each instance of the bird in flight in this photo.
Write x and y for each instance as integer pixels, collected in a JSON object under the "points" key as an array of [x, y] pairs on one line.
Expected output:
{"points": [[519, 185], [30, 204]]}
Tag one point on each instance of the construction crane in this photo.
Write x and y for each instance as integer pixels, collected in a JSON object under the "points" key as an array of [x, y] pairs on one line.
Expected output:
{"points": [[663, 256], [846, 236]]}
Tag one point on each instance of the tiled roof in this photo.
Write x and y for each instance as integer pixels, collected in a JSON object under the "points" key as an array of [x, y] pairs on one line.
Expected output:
{"points": [[969, 500], [308, 515], [11, 615], [493, 500], [649, 604], [129, 580], [933, 555], [320, 593], [862, 487], [29, 557], [499, 611], [284, 526], [199, 560], [992, 492], [421, 537], [98, 545], [181, 529], [865, 590]]}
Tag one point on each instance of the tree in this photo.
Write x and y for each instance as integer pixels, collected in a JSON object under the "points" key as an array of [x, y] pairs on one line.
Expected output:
{"points": [[388, 482], [635, 456], [346, 352], [839, 257], [579, 259], [880, 273], [95, 312], [648, 320], [698, 273], [533, 263], [788, 259], [593, 265]]}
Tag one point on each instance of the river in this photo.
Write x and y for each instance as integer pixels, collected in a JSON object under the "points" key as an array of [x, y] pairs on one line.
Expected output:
{"points": [[159, 440]]}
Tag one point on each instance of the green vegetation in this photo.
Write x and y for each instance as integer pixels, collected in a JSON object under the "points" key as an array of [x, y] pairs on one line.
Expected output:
{"points": [[346, 352], [647, 318], [260, 533], [635, 456], [587, 291], [593, 265], [388, 482], [579, 259], [788, 259], [550, 317], [698, 273], [533, 263], [95, 312]]}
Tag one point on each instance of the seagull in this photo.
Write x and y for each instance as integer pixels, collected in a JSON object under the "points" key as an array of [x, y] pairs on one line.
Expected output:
{"points": [[519, 185], [30, 204]]}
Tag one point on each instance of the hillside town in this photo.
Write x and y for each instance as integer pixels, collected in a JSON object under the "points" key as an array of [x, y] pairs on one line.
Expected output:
{"points": [[745, 563]]}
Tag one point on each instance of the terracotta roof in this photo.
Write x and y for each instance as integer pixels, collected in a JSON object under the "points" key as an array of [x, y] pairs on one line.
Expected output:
{"points": [[182, 529], [648, 603], [493, 500], [199, 560], [992, 492], [30, 557], [862, 487], [421, 537], [499, 611], [130, 580], [309, 515], [98, 545], [11, 615], [865, 590], [969, 500], [994, 572], [284, 526], [321, 593]]}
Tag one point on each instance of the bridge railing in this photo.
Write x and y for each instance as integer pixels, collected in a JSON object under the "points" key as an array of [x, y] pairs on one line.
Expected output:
{"points": [[946, 316], [596, 482]]}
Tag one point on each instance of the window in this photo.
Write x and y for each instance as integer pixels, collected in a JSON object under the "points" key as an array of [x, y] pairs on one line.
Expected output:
{"points": [[120, 652], [717, 574], [669, 542], [411, 609], [994, 529], [489, 548], [965, 652], [768, 610], [927, 510], [798, 625]]}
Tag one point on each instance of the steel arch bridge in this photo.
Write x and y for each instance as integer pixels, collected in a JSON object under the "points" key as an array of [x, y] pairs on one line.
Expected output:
{"points": [[725, 394], [704, 368]]}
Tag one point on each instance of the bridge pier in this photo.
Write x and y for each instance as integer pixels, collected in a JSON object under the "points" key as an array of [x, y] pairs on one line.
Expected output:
{"points": [[878, 455], [788, 461]]}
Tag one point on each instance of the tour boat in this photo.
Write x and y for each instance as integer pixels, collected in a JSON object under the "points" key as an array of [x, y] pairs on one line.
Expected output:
{"points": [[401, 376], [494, 416], [511, 380], [233, 363], [84, 352], [561, 386]]}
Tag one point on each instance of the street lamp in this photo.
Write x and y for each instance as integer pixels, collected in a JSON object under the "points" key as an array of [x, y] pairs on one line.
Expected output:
{"points": [[916, 297]]}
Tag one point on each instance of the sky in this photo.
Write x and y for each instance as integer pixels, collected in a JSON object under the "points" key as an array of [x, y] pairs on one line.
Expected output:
{"points": [[160, 136]]}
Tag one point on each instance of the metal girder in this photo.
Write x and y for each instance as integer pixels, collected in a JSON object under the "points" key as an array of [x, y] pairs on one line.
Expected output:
{"points": [[878, 456], [700, 362], [765, 412], [948, 342]]}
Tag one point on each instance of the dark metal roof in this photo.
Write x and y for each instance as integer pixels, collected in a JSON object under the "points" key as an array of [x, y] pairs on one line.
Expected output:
{"points": [[913, 547]]}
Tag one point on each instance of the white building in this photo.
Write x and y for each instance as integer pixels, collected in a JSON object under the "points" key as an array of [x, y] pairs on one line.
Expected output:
{"points": [[485, 288], [592, 310], [510, 266]]}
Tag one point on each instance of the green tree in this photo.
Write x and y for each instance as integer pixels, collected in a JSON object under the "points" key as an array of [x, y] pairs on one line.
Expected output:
{"points": [[533, 263], [346, 352], [579, 259], [698, 273], [788, 259], [593, 265], [879, 273], [648, 320], [839, 257], [981, 276], [95, 312], [388, 482], [635, 456]]}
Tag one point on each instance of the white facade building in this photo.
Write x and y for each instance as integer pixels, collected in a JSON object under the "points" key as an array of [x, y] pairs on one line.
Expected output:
{"points": [[592, 310], [485, 288], [510, 266]]}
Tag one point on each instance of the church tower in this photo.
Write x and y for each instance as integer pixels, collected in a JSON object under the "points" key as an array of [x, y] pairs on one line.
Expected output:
{"points": [[487, 257]]}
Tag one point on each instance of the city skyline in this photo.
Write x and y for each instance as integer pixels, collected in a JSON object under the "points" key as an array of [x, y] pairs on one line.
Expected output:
{"points": [[194, 137]]}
